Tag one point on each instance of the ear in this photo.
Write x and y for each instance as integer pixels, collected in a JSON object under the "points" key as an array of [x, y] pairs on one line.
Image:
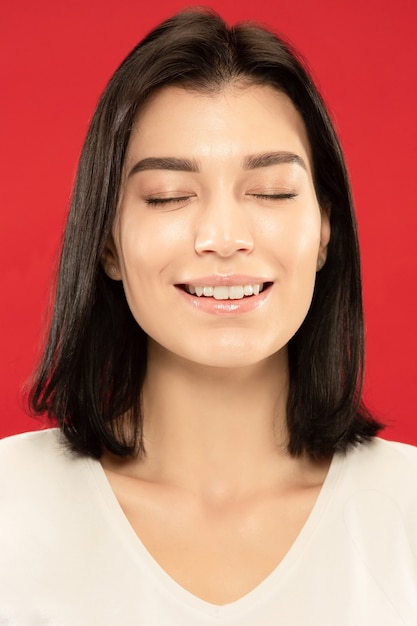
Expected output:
{"points": [[110, 260], [325, 233]]}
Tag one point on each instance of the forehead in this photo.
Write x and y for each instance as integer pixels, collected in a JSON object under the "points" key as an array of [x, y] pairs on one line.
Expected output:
{"points": [[233, 122]]}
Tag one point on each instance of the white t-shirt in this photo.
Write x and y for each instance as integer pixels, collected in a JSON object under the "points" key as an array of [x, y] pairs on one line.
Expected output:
{"points": [[68, 556]]}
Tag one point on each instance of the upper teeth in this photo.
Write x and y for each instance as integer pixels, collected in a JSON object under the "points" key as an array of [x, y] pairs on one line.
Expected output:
{"points": [[222, 292]]}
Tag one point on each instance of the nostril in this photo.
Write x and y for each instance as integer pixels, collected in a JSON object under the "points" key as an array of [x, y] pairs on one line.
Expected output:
{"points": [[223, 248]]}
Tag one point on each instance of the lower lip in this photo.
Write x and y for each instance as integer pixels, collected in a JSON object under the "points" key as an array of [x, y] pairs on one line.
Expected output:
{"points": [[226, 307]]}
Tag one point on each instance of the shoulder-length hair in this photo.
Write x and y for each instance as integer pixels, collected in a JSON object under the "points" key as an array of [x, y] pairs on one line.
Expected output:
{"points": [[93, 367]]}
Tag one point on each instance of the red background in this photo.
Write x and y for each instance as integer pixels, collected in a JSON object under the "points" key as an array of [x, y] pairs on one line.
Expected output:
{"points": [[56, 58]]}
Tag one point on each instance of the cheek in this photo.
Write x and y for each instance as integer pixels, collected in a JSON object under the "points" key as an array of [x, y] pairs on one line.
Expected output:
{"points": [[147, 245], [296, 251], [148, 250], [294, 239]]}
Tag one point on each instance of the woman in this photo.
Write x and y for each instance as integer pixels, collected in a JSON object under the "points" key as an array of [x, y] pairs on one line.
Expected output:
{"points": [[204, 364]]}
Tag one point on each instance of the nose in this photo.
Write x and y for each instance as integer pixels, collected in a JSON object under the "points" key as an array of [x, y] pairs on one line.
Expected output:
{"points": [[223, 228]]}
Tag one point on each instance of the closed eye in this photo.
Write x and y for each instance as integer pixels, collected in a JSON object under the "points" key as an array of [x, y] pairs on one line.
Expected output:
{"points": [[165, 201], [155, 201], [273, 196]]}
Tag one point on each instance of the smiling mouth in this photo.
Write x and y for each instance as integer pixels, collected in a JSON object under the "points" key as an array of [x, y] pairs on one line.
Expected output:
{"points": [[224, 292]]}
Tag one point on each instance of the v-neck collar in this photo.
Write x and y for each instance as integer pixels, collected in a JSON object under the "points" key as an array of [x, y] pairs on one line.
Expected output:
{"points": [[139, 553]]}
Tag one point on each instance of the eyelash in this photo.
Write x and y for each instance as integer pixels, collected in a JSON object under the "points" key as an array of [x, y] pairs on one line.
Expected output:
{"points": [[164, 201], [274, 196], [260, 196]]}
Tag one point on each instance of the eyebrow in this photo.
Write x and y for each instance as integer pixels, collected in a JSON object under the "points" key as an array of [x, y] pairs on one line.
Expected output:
{"points": [[266, 159], [165, 163], [251, 162]]}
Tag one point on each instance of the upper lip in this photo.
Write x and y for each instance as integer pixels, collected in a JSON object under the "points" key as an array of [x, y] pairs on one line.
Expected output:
{"points": [[228, 280]]}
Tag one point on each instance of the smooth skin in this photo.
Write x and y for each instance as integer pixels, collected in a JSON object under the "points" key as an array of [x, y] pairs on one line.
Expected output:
{"points": [[217, 500]]}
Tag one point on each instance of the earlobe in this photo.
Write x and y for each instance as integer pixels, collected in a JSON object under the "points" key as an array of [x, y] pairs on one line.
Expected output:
{"points": [[325, 233], [109, 261], [111, 270]]}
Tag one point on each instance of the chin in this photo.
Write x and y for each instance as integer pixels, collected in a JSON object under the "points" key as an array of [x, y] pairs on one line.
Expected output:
{"points": [[231, 350], [233, 355]]}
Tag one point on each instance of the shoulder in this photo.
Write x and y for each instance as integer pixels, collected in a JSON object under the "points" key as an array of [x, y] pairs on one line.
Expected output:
{"points": [[36, 463], [29, 448], [388, 460], [381, 476], [403, 452], [368, 537], [30, 441], [382, 464], [41, 482]]}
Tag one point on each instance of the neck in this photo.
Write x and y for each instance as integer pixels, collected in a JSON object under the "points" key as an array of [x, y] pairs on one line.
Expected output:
{"points": [[213, 429]]}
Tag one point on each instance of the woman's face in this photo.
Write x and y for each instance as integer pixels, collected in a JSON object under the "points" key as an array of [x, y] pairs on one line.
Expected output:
{"points": [[218, 230]]}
